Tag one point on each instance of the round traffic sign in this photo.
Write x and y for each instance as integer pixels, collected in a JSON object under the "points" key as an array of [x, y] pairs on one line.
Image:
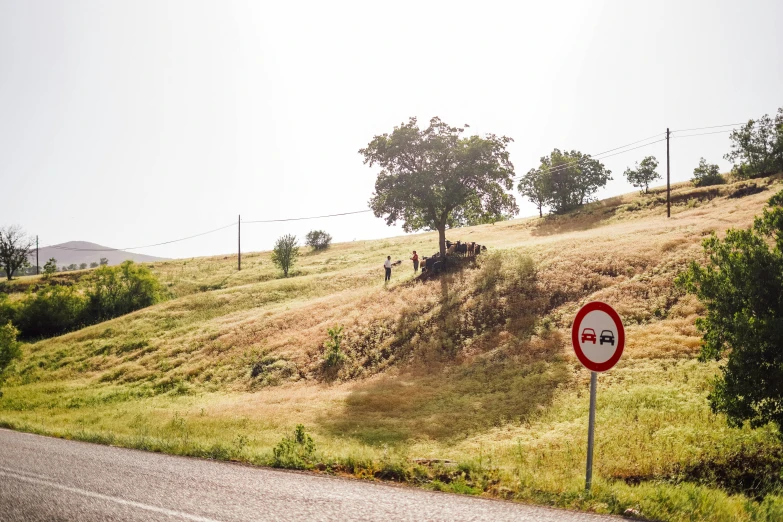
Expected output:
{"points": [[598, 336]]}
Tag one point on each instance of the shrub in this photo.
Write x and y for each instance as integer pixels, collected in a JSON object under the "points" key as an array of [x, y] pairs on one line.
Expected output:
{"points": [[318, 239], [334, 355], [707, 174], [50, 267], [741, 287], [120, 290], [285, 253], [295, 452], [9, 348], [52, 310]]}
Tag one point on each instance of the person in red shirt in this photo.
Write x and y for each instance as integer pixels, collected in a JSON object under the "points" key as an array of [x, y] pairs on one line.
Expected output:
{"points": [[415, 260]]}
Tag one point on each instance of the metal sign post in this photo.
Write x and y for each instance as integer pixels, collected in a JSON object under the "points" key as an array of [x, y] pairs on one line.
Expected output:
{"points": [[598, 338], [591, 431]]}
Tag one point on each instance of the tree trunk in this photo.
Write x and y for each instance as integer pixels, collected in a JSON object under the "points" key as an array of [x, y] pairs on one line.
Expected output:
{"points": [[442, 239], [540, 212]]}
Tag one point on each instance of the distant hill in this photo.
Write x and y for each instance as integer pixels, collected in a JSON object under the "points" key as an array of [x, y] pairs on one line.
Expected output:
{"points": [[77, 252]]}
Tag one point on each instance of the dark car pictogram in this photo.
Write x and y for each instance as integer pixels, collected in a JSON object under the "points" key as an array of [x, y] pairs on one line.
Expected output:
{"points": [[607, 337], [588, 334]]}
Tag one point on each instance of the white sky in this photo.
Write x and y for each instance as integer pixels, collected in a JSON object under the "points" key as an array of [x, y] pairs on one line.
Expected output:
{"points": [[135, 122]]}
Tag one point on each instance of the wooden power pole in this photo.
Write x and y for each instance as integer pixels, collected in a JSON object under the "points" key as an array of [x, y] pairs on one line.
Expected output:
{"points": [[239, 242], [668, 179]]}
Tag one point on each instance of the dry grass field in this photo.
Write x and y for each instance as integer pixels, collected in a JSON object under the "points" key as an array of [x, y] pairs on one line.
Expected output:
{"points": [[473, 367]]}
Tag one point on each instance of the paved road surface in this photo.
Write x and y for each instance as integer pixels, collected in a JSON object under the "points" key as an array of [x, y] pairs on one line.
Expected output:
{"points": [[45, 479]]}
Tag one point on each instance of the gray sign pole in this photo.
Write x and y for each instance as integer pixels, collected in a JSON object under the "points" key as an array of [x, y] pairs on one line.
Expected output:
{"points": [[591, 431]]}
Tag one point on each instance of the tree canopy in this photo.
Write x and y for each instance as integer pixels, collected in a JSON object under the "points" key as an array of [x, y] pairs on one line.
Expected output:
{"points": [[564, 180], [644, 173], [285, 253], [741, 286], [757, 147], [318, 239], [436, 178], [706, 174]]}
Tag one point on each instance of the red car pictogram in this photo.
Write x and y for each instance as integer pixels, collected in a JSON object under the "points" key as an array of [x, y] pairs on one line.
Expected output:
{"points": [[588, 334]]}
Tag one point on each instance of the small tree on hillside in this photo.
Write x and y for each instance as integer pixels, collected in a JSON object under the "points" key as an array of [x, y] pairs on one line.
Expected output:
{"points": [[50, 267], [706, 174], [285, 252], [318, 239], [435, 178], [93, 265], [104, 261], [643, 174], [571, 178], [15, 249], [536, 185], [758, 147], [72, 266], [741, 286], [82, 266]]}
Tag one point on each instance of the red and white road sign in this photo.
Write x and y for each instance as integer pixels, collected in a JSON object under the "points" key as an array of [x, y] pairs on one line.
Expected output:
{"points": [[598, 336]]}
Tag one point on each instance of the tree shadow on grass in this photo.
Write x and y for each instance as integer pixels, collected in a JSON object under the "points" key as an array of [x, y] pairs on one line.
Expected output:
{"points": [[466, 366], [453, 401], [584, 218]]}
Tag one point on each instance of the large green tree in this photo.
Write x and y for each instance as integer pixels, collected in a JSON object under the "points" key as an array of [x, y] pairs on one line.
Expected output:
{"points": [[757, 147], [741, 286], [437, 178], [15, 249]]}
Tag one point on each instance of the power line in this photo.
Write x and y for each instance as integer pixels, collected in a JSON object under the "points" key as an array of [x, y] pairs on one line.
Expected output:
{"points": [[712, 127], [601, 155], [703, 133], [309, 217], [58, 247]]}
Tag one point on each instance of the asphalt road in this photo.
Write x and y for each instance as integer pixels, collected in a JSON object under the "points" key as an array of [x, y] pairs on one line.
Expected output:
{"points": [[50, 479]]}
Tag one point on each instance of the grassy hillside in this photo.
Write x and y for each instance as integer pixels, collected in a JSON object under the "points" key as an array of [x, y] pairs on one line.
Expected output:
{"points": [[473, 367]]}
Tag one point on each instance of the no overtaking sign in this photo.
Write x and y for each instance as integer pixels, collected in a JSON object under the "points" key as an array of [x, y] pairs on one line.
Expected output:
{"points": [[598, 337]]}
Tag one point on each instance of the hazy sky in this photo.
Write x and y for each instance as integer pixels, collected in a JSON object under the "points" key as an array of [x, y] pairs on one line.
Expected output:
{"points": [[135, 122]]}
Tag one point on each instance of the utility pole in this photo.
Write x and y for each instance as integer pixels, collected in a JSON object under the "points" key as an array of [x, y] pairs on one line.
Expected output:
{"points": [[239, 242], [668, 179], [37, 264]]}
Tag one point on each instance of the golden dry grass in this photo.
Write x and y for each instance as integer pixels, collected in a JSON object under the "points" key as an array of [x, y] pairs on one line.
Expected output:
{"points": [[475, 366]]}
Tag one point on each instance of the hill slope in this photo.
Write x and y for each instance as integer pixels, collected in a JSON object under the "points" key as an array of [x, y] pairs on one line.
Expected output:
{"points": [[474, 366], [78, 252]]}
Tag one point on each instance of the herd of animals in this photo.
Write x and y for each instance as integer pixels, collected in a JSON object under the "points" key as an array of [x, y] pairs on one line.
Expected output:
{"points": [[435, 263]]}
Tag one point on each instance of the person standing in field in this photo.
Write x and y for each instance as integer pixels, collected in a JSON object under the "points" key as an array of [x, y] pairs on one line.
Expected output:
{"points": [[387, 265], [415, 260]]}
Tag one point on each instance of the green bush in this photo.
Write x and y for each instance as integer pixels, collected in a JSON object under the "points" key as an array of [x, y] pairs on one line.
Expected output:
{"points": [[9, 347], [334, 355], [53, 310], [295, 452], [119, 290], [706, 175], [318, 239], [741, 287]]}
